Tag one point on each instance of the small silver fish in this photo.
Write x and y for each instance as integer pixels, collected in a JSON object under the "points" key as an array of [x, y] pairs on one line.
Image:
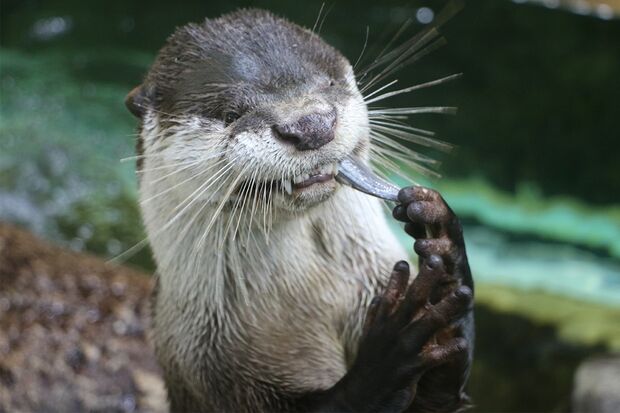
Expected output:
{"points": [[354, 173]]}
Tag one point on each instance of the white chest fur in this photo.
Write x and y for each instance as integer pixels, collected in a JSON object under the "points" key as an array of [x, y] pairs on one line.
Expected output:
{"points": [[284, 308]]}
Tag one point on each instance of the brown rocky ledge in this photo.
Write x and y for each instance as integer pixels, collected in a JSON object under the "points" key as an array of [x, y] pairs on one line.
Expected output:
{"points": [[72, 331]]}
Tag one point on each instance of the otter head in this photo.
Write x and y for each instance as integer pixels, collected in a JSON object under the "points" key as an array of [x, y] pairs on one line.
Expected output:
{"points": [[247, 109]]}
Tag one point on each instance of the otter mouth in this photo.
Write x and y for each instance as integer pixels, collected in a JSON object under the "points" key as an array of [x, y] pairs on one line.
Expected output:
{"points": [[350, 171], [323, 174], [295, 185]]}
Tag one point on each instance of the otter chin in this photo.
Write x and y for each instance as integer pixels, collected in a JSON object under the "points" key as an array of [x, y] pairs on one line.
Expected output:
{"points": [[266, 265], [313, 190]]}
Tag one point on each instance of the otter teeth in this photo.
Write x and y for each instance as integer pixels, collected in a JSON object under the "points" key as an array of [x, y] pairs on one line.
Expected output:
{"points": [[300, 178], [329, 169], [288, 186]]}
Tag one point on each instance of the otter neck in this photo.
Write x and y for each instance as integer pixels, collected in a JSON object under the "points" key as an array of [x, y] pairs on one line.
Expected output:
{"points": [[220, 269]]}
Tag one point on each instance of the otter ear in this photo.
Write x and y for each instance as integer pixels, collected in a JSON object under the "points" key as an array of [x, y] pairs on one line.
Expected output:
{"points": [[137, 101]]}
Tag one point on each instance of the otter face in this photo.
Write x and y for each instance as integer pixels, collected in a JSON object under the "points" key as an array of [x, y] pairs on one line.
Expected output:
{"points": [[252, 112], [254, 108]]}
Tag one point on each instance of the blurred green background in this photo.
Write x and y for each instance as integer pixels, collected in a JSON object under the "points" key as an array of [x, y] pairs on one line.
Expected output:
{"points": [[535, 177]]}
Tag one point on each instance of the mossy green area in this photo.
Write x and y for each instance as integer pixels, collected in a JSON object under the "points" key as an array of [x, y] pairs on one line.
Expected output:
{"points": [[528, 345], [528, 211], [576, 321], [62, 143]]}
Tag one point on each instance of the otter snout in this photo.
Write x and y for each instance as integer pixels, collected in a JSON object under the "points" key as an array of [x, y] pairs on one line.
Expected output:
{"points": [[309, 131]]}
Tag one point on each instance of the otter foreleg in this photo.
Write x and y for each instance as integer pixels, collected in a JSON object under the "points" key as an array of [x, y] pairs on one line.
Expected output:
{"points": [[438, 233], [397, 347], [416, 349]]}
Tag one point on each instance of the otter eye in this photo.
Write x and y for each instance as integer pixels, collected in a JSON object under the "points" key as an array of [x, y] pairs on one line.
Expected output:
{"points": [[230, 117]]}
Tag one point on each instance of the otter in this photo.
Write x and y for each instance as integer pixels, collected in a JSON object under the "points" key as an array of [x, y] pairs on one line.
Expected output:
{"points": [[279, 288]]}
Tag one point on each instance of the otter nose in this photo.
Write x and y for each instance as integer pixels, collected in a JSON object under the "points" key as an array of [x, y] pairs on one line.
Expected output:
{"points": [[310, 131]]}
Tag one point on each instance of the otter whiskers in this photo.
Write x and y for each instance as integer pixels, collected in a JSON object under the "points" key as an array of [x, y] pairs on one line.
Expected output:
{"points": [[410, 88], [182, 169], [183, 206], [184, 181], [222, 178]]}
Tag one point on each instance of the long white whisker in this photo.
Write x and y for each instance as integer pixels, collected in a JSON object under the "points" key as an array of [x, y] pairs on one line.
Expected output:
{"points": [[254, 207], [129, 252], [249, 210], [379, 90], [179, 170], [318, 17], [211, 181], [400, 125], [142, 202], [415, 110], [264, 205], [235, 208], [243, 198], [397, 156], [413, 138], [324, 18], [424, 39], [363, 48], [135, 157], [385, 164], [434, 45], [168, 166], [198, 213], [184, 209], [225, 199], [415, 87], [380, 59], [389, 144], [136, 247]]}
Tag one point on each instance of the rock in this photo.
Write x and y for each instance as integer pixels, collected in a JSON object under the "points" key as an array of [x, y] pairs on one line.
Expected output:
{"points": [[73, 331], [597, 385]]}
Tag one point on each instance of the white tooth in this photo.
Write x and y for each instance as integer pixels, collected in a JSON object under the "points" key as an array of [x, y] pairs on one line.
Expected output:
{"points": [[305, 177], [335, 169], [297, 179], [288, 186]]}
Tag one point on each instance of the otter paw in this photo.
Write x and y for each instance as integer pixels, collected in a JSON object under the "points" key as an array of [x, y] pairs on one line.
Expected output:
{"points": [[397, 346], [436, 228]]}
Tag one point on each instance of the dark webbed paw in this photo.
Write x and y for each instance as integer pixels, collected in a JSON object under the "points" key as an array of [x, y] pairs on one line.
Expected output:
{"points": [[436, 228], [438, 233], [397, 345]]}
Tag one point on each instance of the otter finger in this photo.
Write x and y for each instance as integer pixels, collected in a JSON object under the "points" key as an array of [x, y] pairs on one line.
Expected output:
{"points": [[447, 311], [432, 271], [417, 193], [417, 231], [387, 303], [422, 287], [397, 284], [400, 213], [425, 212], [434, 246], [453, 306], [445, 248], [450, 351], [371, 315]]}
